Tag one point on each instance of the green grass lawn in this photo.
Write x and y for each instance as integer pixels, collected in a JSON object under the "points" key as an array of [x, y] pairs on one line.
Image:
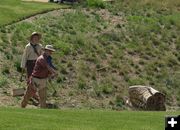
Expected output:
{"points": [[73, 119], [13, 10]]}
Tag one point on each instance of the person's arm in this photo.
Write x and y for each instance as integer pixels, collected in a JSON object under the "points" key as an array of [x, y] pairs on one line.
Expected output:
{"points": [[24, 58], [46, 66], [52, 71], [49, 61]]}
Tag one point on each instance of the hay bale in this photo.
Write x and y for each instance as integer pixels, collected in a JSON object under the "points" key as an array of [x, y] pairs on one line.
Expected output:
{"points": [[146, 98], [18, 92]]}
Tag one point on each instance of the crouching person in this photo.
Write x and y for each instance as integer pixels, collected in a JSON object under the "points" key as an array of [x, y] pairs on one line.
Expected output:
{"points": [[39, 77]]}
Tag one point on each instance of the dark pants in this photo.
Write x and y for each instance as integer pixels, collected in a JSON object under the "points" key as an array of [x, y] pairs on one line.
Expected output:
{"points": [[30, 66]]}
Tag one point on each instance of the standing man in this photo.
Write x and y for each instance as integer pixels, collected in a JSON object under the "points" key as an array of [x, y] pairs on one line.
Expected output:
{"points": [[32, 51], [38, 80]]}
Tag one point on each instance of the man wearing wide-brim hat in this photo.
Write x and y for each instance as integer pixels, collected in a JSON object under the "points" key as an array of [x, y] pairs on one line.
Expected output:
{"points": [[38, 80], [31, 52]]}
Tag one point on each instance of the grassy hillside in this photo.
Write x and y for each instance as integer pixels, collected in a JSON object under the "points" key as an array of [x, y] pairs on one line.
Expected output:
{"points": [[14, 10], [28, 119], [101, 52]]}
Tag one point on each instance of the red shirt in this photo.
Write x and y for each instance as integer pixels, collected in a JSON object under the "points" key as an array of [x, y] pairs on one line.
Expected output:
{"points": [[41, 68]]}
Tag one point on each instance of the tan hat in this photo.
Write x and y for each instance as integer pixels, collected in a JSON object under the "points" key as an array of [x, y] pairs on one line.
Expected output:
{"points": [[35, 33], [49, 47]]}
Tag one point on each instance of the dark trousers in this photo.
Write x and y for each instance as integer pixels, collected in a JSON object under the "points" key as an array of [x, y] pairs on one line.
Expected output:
{"points": [[30, 66]]}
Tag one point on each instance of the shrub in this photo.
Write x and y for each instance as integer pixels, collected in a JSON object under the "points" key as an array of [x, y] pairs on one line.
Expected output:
{"points": [[17, 65], [119, 101], [63, 48], [136, 81], [107, 88], [95, 3], [5, 70], [82, 84], [3, 81]]}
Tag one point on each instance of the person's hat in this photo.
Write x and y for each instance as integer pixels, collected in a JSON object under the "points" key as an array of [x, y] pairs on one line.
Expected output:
{"points": [[35, 33], [49, 47]]}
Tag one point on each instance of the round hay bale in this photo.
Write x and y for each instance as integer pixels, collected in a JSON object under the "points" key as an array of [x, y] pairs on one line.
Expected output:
{"points": [[146, 98], [156, 102]]}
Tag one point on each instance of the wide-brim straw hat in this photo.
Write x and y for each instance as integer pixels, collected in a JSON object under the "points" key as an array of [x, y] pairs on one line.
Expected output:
{"points": [[49, 47], [35, 33]]}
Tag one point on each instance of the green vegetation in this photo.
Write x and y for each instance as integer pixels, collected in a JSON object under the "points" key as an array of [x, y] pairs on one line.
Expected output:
{"points": [[95, 3], [28, 119], [15, 10], [101, 52], [3, 81]]}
